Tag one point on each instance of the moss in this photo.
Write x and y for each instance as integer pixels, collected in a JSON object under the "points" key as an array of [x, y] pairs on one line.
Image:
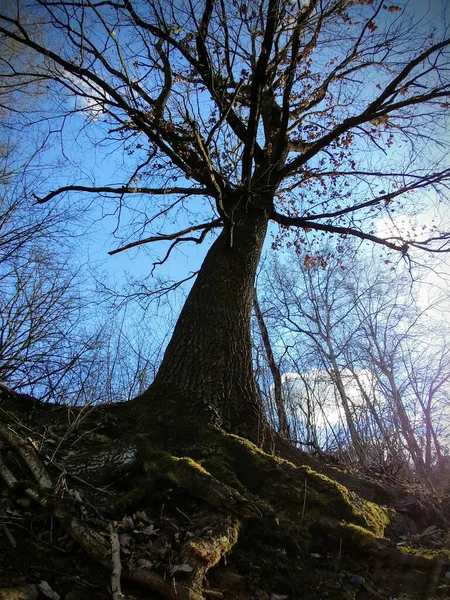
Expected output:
{"points": [[246, 467], [160, 463], [327, 498], [278, 488], [219, 465], [422, 552], [355, 535]]}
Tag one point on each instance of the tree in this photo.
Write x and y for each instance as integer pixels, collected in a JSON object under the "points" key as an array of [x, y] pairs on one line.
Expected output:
{"points": [[406, 351], [309, 300], [257, 110], [223, 116], [283, 425], [368, 336]]}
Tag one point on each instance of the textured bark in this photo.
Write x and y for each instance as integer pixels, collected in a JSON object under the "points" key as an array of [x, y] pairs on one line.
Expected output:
{"points": [[206, 375]]}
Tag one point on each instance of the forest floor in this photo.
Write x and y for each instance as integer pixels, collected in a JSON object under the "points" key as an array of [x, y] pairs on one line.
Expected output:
{"points": [[90, 509]]}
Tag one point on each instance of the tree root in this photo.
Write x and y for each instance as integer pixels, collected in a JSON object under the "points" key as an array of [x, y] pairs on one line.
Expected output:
{"points": [[28, 454], [173, 554], [100, 540], [192, 477]]}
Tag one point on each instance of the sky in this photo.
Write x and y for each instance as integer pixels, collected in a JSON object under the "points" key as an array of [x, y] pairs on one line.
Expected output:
{"points": [[103, 163]]}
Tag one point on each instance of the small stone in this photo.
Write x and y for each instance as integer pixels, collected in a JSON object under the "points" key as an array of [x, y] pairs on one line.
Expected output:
{"points": [[447, 574], [316, 555], [278, 597], [358, 580]]}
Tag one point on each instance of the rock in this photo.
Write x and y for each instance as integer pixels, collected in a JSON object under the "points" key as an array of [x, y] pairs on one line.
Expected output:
{"points": [[278, 597], [358, 580]]}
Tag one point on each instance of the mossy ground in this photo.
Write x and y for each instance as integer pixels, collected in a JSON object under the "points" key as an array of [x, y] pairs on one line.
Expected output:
{"points": [[280, 528], [310, 527]]}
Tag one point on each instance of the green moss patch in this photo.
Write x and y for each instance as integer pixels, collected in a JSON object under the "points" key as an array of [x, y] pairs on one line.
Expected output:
{"points": [[282, 485], [427, 553]]}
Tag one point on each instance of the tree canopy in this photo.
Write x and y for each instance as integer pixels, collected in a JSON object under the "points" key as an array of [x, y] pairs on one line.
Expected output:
{"points": [[336, 109]]}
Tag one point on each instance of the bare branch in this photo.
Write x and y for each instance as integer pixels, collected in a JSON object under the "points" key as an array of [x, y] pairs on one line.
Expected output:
{"points": [[170, 236], [123, 190]]}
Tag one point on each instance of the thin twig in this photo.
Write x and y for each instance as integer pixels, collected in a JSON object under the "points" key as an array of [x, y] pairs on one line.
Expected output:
{"points": [[304, 504], [116, 564]]}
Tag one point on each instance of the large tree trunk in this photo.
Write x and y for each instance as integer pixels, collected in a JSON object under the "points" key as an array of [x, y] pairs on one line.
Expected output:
{"points": [[206, 375]]}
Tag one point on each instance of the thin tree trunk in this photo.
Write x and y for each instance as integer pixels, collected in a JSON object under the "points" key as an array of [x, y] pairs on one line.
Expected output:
{"points": [[405, 423], [337, 379], [206, 376], [283, 426]]}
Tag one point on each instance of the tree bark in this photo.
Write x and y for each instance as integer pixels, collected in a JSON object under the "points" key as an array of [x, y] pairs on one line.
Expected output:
{"points": [[206, 376]]}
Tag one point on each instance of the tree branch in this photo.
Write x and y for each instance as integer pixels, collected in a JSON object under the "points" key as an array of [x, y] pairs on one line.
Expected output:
{"points": [[373, 110], [304, 223], [170, 236], [122, 190]]}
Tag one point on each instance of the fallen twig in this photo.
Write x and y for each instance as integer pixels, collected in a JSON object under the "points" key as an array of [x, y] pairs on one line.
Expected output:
{"points": [[116, 564]]}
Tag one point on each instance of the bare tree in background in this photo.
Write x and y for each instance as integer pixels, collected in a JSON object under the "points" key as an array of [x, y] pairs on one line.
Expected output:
{"points": [[388, 364]]}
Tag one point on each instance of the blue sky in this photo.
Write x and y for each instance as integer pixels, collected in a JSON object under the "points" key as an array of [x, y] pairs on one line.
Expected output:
{"points": [[84, 153]]}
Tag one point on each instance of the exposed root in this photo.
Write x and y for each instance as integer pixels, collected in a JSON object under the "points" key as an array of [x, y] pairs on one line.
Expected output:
{"points": [[28, 454], [205, 553], [168, 589], [191, 476], [195, 556]]}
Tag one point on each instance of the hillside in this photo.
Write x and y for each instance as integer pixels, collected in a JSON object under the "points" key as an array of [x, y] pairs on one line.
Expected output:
{"points": [[204, 516]]}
